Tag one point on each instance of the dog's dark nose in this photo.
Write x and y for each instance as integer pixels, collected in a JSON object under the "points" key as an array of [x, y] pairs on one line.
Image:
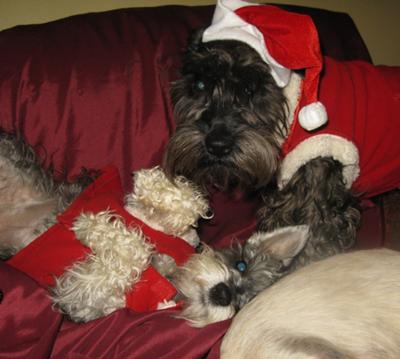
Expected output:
{"points": [[221, 295], [219, 142]]}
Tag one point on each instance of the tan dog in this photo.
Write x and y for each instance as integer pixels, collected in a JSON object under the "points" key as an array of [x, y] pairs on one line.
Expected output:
{"points": [[347, 306]]}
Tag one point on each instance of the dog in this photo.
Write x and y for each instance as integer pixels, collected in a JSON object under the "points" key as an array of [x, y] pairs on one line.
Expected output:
{"points": [[238, 117], [346, 306], [110, 256], [215, 284]]}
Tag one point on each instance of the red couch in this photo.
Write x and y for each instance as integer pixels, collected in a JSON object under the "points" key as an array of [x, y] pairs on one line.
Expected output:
{"points": [[91, 90]]}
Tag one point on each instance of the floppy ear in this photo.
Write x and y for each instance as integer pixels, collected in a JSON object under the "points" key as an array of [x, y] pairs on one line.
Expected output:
{"points": [[195, 40], [283, 243]]}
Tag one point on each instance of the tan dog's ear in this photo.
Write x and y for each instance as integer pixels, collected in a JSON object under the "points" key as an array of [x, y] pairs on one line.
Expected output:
{"points": [[284, 243]]}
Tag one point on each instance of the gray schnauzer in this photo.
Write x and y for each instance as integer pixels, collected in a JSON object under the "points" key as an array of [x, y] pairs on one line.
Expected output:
{"points": [[231, 121], [248, 117], [215, 284]]}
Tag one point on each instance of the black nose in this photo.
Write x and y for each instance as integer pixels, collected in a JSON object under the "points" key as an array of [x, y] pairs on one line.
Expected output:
{"points": [[221, 295], [219, 142]]}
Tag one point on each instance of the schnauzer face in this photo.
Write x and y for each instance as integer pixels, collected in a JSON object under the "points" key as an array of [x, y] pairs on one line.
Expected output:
{"points": [[230, 117], [215, 284]]}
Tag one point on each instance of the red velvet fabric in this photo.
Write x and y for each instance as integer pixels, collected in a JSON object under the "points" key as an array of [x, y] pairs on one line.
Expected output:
{"points": [[93, 90]]}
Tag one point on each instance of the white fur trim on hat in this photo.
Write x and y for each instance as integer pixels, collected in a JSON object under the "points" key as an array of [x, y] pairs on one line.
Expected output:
{"points": [[324, 145], [227, 25], [313, 116]]}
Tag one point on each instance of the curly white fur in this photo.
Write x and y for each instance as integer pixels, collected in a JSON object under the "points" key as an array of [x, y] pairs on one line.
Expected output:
{"points": [[96, 286], [171, 207]]}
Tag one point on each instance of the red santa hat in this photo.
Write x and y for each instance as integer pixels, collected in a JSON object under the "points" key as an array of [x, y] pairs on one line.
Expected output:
{"points": [[286, 41]]}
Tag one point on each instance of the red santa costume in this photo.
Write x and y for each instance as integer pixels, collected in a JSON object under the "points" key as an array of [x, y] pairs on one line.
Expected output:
{"points": [[347, 110], [56, 249]]}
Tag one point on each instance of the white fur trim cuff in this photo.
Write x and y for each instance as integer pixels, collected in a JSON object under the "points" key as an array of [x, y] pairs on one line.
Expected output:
{"points": [[325, 145]]}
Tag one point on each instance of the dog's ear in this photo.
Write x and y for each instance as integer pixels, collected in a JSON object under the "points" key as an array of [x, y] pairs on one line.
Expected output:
{"points": [[284, 243], [195, 40]]}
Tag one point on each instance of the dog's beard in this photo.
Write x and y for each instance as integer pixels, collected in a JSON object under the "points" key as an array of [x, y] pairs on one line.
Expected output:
{"points": [[250, 165]]}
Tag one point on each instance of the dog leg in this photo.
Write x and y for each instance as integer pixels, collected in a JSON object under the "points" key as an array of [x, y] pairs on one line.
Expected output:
{"points": [[316, 196]]}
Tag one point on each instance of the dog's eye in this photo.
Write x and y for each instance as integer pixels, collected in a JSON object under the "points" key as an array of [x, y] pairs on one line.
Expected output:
{"points": [[200, 85], [248, 91], [199, 248], [241, 266]]}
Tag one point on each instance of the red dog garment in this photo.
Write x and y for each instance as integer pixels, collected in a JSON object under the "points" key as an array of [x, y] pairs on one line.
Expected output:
{"points": [[363, 106]]}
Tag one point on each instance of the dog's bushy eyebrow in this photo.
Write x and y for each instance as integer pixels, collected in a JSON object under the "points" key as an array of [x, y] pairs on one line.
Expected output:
{"points": [[248, 76], [194, 41], [210, 72]]}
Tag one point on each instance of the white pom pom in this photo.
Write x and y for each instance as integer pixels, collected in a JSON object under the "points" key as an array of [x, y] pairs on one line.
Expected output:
{"points": [[313, 116]]}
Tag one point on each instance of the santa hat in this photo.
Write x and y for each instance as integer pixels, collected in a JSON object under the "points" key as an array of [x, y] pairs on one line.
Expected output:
{"points": [[286, 41]]}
